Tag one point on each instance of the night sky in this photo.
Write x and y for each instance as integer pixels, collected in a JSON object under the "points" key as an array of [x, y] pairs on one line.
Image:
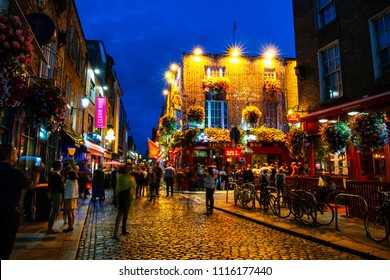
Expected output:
{"points": [[145, 36]]}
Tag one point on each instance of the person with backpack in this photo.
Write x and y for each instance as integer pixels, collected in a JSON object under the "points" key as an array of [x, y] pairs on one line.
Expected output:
{"points": [[280, 181]]}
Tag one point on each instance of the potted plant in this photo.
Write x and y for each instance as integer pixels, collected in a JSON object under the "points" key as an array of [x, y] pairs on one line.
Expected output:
{"points": [[16, 54], [195, 114], [369, 131], [251, 115], [268, 134], [335, 136]]}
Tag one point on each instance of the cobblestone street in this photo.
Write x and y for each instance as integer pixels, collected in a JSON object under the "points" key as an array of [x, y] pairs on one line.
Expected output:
{"points": [[175, 228]]}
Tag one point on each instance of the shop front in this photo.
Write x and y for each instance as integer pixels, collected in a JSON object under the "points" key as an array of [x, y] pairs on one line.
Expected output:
{"points": [[354, 165]]}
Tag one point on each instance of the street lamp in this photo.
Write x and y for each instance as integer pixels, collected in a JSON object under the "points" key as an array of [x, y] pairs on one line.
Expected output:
{"points": [[170, 77], [84, 104]]}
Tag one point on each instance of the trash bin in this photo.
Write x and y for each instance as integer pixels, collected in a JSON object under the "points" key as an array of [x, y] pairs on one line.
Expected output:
{"points": [[42, 203]]}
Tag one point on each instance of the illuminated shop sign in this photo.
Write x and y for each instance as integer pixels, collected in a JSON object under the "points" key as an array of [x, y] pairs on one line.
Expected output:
{"points": [[100, 113]]}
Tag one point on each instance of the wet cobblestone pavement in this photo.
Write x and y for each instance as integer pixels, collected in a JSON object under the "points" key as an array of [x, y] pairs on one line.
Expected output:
{"points": [[175, 228]]}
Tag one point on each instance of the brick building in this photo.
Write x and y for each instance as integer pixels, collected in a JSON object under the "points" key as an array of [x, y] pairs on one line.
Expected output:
{"points": [[343, 64]]}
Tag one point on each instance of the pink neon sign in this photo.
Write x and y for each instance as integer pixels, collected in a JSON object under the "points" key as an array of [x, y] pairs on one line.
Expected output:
{"points": [[100, 112]]}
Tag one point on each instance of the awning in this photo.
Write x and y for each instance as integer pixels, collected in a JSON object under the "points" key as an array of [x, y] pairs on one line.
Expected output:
{"points": [[357, 105], [69, 138], [95, 149]]}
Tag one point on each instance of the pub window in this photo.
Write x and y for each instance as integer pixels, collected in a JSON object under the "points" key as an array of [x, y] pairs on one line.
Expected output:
{"points": [[215, 71]]}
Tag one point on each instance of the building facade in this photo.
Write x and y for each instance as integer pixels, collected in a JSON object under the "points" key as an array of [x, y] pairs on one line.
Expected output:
{"points": [[343, 64], [224, 85]]}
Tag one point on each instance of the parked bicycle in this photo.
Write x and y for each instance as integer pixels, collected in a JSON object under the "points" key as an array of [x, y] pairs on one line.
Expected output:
{"points": [[297, 202], [377, 220], [243, 193], [264, 197], [325, 212]]}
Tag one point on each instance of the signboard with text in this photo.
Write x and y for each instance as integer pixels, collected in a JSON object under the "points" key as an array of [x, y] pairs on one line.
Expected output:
{"points": [[100, 112], [232, 153]]}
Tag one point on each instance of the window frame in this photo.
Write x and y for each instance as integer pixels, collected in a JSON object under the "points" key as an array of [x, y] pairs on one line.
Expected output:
{"points": [[377, 65], [321, 10], [336, 72]]}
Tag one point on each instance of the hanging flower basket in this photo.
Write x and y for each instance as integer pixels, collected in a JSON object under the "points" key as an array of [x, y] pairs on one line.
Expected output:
{"points": [[247, 151], [168, 124], [195, 114], [271, 85], [296, 142], [216, 85], [45, 105], [369, 131], [16, 53], [268, 134], [251, 115], [335, 136], [217, 134], [190, 136]]}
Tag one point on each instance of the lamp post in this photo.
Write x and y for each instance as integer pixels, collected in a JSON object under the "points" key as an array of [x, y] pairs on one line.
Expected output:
{"points": [[84, 104]]}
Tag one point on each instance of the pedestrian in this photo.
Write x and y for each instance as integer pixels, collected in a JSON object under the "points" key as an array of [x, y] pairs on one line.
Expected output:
{"points": [[280, 181], [12, 183], [169, 174], [210, 187], [85, 175], [159, 172], [56, 189], [294, 169], [125, 192], [71, 193], [200, 177], [152, 181], [180, 179], [98, 185]]}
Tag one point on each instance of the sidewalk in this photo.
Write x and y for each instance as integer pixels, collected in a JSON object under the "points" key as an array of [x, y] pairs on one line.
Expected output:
{"points": [[33, 243]]}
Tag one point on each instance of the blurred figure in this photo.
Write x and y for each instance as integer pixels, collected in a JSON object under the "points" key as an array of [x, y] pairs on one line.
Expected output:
{"points": [[125, 192], [12, 183], [85, 175]]}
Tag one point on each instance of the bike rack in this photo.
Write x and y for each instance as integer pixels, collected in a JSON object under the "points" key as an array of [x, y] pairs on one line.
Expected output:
{"points": [[349, 195]]}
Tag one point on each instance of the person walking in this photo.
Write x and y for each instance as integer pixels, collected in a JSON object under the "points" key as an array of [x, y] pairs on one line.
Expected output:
{"points": [[153, 183], [125, 192], [12, 183], [169, 174], [210, 187], [85, 175], [56, 188], [159, 172], [71, 193]]}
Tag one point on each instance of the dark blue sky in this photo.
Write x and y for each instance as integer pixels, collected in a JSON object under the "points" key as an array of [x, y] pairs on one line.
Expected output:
{"points": [[145, 36]]}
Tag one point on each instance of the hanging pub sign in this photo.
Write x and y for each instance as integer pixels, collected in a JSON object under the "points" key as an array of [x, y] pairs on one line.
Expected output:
{"points": [[293, 118], [232, 152], [100, 112]]}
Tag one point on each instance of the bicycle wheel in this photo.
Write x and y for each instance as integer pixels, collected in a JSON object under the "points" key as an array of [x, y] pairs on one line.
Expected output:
{"points": [[325, 214], [377, 225], [272, 203], [246, 198], [282, 206], [307, 212]]}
